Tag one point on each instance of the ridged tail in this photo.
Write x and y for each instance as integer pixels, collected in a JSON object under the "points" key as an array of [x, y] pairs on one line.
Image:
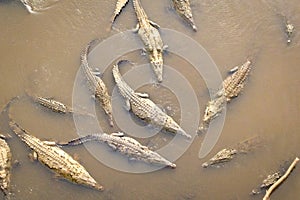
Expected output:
{"points": [[124, 89], [79, 141]]}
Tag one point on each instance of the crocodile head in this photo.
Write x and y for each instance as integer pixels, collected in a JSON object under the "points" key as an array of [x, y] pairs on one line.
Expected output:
{"points": [[211, 112], [156, 61], [155, 158]]}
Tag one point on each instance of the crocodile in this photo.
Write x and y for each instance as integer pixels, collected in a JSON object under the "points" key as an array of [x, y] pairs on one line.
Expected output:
{"points": [[56, 106], [97, 86], [119, 6], [271, 179], [143, 107], [126, 146], [149, 34], [289, 29], [227, 154], [5, 165], [231, 88], [55, 158], [184, 10]]}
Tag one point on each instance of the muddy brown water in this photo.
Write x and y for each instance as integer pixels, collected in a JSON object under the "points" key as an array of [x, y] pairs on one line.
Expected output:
{"points": [[41, 53]]}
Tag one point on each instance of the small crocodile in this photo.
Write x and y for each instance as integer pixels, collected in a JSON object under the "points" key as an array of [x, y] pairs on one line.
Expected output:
{"points": [[119, 6], [55, 158], [56, 106], [271, 179], [5, 165], [227, 154], [231, 88], [289, 29], [148, 32], [184, 10], [97, 86], [126, 146], [143, 107]]}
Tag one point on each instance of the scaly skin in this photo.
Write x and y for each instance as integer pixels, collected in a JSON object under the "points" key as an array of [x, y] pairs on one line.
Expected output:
{"points": [[184, 10], [232, 87], [55, 158], [148, 31], [144, 108], [234, 84], [271, 179], [227, 154], [126, 146], [97, 86], [56, 106], [51, 104], [222, 156], [119, 6], [5, 166]]}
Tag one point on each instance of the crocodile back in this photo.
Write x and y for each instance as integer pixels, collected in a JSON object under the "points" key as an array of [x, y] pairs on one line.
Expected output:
{"points": [[183, 9], [5, 165], [123, 87], [234, 84], [56, 159]]}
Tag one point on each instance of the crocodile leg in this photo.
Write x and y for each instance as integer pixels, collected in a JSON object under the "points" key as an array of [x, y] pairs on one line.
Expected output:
{"points": [[155, 25]]}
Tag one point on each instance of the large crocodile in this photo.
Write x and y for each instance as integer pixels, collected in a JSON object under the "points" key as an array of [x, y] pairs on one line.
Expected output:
{"points": [[126, 146], [184, 10], [5, 165], [231, 87], [227, 154], [148, 32], [143, 107], [56, 106], [55, 158], [97, 86]]}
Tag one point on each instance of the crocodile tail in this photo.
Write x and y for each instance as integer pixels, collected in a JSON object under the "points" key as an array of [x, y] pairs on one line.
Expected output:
{"points": [[119, 6], [8, 105], [87, 50], [78, 141]]}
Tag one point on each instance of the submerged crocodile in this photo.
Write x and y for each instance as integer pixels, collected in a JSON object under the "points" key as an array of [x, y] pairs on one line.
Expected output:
{"points": [[271, 179], [148, 31], [119, 6], [126, 146], [5, 165], [56, 106], [143, 107], [184, 10], [231, 88], [227, 154], [97, 86], [289, 29], [55, 158]]}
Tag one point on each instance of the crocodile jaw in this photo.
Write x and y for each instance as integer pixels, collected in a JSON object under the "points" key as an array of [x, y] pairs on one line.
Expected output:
{"points": [[156, 158], [182, 132], [156, 61], [210, 113]]}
